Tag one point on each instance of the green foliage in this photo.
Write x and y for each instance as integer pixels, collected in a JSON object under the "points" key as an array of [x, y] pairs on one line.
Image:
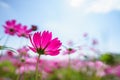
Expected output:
{"points": [[117, 58], [2, 47], [65, 74], [110, 77], [71, 74], [107, 58], [7, 70]]}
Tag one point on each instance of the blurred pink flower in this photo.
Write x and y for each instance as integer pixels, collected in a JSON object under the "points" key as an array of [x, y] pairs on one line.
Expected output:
{"points": [[69, 51], [23, 31], [11, 27], [23, 51], [25, 68], [70, 43], [51, 67], [43, 43], [99, 64], [85, 34], [78, 65], [108, 70], [116, 70], [10, 53], [94, 42]]}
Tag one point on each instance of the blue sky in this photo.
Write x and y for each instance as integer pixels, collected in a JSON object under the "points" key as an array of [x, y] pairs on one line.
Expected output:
{"points": [[68, 19]]}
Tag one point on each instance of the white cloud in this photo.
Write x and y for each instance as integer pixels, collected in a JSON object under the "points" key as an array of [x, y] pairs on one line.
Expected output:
{"points": [[96, 6], [4, 5], [76, 3]]}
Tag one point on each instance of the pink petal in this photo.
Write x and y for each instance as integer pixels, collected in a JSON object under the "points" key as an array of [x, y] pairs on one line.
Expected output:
{"points": [[52, 53], [45, 39], [37, 39], [13, 22], [25, 27], [33, 49], [54, 44], [32, 41], [8, 23]]}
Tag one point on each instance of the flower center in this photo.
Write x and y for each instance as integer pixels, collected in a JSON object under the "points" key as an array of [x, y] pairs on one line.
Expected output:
{"points": [[23, 34], [69, 49], [40, 51], [11, 30]]}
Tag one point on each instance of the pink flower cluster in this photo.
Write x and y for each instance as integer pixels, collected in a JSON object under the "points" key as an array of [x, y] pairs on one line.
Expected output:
{"points": [[23, 51], [13, 28], [88, 67]]}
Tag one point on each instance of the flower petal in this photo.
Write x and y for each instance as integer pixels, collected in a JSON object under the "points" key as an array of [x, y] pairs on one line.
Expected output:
{"points": [[54, 44], [45, 39], [37, 39], [52, 53], [33, 49]]}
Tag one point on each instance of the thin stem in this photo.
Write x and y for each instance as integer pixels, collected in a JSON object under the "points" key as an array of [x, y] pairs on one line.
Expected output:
{"points": [[18, 76], [6, 40], [69, 60], [41, 70], [5, 43], [36, 74], [24, 71], [20, 43], [64, 46]]}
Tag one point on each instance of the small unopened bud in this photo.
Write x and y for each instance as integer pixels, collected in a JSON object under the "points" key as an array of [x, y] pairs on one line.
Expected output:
{"points": [[22, 60], [34, 28]]}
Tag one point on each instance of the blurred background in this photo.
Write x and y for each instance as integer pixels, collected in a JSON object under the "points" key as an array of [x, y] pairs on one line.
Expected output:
{"points": [[67, 19]]}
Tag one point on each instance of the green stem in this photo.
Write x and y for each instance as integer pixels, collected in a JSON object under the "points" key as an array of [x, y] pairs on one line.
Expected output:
{"points": [[18, 76], [24, 70], [6, 40], [42, 66], [5, 43], [36, 74], [20, 42], [69, 60]]}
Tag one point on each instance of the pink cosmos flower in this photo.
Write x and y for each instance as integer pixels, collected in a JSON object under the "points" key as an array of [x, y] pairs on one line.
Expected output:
{"points": [[116, 70], [109, 70], [10, 53], [94, 42], [25, 68], [69, 51], [23, 51], [85, 34], [43, 43], [11, 27], [23, 31], [70, 43]]}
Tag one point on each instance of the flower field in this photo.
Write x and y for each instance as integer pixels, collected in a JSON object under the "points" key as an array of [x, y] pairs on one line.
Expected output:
{"points": [[53, 60]]}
